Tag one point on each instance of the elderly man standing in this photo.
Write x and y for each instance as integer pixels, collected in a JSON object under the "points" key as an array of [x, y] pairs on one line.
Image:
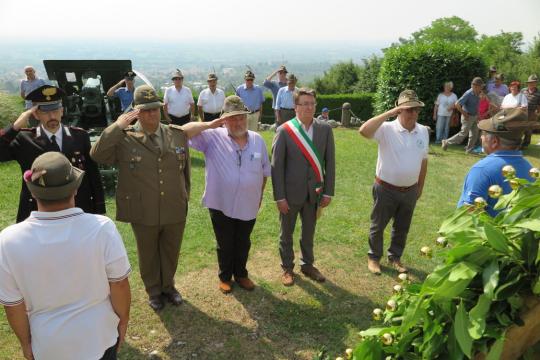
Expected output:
{"points": [[210, 100], [399, 177], [275, 85], [31, 83], [253, 98], [237, 167], [179, 108], [467, 105], [501, 140], [24, 145], [153, 188], [533, 105], [124, 93], [303, 177], [64, 273], [284, 107]]}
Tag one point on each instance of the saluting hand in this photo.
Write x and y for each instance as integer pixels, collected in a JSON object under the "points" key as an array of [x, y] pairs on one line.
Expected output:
{"points": [[126, 119], [22, 120], [214, 124]]}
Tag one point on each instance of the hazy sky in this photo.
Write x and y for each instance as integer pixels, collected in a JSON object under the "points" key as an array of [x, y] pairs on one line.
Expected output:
{"points": [[297, 21]]}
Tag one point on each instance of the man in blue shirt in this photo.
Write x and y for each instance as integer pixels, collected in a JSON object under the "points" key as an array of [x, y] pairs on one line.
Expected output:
{"points": [[284, 107], [275, 85], [467, 105], [253, 98], [501, 140], [124, 93]]}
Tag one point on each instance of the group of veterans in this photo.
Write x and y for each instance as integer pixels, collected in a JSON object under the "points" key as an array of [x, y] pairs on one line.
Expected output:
{"points": [[63, 267]]}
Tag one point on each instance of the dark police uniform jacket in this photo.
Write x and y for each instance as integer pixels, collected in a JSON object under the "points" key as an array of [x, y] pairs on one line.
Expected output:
{"points": [[153, 185], [26, 145]]}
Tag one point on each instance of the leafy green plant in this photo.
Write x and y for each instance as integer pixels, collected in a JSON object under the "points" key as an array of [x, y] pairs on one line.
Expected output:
{"points": [[467, 304]]}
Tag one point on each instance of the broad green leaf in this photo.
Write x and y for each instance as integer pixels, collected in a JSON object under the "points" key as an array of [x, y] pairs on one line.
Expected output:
{"points": [[490, 277], [412, 314], [454, 351], [496, 238], [496, 349], [461, 325], [460, 220], [531, 224], [462, 271], [536, 286], [369, 349], [529, 248], [510, 288], [477, 316], [373, 332]]}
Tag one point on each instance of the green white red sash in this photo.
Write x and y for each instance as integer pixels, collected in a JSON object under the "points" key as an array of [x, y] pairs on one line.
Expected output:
{"points": [[304, 143]]}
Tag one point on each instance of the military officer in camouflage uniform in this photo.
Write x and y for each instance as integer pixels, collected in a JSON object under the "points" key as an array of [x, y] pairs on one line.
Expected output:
{"points": [[153, 187], [24, 145]]}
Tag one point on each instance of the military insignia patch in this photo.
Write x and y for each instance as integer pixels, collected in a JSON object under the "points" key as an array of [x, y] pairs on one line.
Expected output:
{"points": [[48, 92]]}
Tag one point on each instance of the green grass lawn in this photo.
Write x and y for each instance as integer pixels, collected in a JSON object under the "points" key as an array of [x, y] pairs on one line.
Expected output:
{"points": [[275, 322]]}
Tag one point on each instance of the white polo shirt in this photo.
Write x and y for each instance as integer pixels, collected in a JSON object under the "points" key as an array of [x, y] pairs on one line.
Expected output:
{"points": [[60, 264], [178, 102], [400, 152], [211, 103]]}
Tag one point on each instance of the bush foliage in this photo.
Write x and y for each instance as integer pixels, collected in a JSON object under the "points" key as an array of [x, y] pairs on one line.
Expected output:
{"points": [[424, 67]]}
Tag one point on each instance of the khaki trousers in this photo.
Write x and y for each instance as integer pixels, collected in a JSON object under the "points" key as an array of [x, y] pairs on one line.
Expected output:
{"points": [[469, 128], [158, 248], [253, 121]]}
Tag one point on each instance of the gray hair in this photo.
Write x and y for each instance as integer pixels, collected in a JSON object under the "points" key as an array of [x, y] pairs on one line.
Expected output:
{"points": [[449, 83], [510, 144]]}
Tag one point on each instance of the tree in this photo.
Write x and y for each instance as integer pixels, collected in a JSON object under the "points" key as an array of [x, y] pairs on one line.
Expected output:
{"points": [[367, 74], [341, 78], [446, 29]]}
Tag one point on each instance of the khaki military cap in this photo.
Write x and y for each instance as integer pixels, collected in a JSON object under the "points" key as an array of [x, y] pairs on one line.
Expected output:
{"points": [[532, 78], [233, 105], [52, 177], [408, 98], [212, 77], [292, 77], [508, 123], [145, 98], [249, 75]]}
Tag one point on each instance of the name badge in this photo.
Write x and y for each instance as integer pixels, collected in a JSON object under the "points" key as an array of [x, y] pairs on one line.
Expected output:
{"points": [[180, 150], [255, 156]]}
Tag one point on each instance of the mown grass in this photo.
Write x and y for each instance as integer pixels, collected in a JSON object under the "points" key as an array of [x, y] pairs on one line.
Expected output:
{"points": [[275, 322]]}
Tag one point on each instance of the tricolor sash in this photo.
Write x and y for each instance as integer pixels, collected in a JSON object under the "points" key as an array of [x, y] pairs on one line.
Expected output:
{"points": [[308, 149]]}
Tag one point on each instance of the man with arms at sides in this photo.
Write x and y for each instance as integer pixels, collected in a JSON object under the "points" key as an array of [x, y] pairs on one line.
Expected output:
{"points": [[124, 93], [210, 100], [24, 145], [501, 140], [253, 98], [64, 273], [237, 167], [31, 83], [153, 188], [533, 105], [284, 108], [179, 108], [399, 177], [303, 177]]}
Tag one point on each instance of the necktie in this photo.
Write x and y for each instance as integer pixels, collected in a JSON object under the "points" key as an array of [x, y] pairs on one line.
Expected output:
{"points": [[154, 140], [54, 144]]}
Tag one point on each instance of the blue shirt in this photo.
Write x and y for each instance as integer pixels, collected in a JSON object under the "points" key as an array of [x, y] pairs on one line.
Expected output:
{"points": [[285, 98], [487, 172], [274, 87], [125, 96], [469, 101], [253, 98]]}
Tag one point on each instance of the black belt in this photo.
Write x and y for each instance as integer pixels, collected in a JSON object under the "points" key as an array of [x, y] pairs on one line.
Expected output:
{"points": [[393, 187]]}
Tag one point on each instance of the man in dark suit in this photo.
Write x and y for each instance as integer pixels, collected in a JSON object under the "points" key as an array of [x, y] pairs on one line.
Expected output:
{"points": [[303, 172], [24, 145]]}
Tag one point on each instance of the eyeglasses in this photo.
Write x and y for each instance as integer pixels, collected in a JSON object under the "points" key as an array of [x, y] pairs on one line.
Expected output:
{"points": [[308, 104]]}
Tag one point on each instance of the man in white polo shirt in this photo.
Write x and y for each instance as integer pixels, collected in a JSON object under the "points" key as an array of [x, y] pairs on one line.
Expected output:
{"points": [[179, 108], [211, 100], [400, 174], [64, 273]]}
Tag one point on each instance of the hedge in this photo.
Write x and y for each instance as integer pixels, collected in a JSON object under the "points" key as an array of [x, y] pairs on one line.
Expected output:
{"points": [[361, 105], [424, 68]]}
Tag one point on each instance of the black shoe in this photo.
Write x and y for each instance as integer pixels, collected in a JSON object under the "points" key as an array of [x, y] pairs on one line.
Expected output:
{"points": [[174, 298], [156, 302]]}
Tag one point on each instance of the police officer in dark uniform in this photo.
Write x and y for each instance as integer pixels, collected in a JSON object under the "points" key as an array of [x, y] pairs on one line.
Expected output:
{"points": [[24, 145]]}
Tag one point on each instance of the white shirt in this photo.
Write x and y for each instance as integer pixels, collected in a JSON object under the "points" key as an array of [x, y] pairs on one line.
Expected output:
{"points": [[211, 102], [58, 134], [444, 102], [511, 101], [400, 152], [178, 102], [60, 264]]}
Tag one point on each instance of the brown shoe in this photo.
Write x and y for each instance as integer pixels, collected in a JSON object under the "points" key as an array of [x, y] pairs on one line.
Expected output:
{"points": [[396, 264], [313, 273], [374, 266], [225, 287], [287, 278], [245, 283]]}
